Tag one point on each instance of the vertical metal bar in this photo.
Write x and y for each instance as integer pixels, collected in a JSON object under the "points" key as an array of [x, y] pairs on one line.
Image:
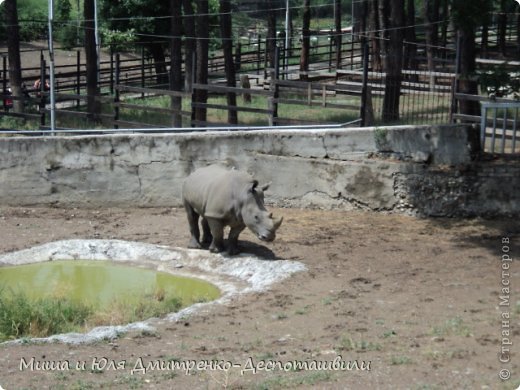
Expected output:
{"points": [[4, 81], [51, 67], [116, 95], [287, 42], [142, 71], [258, 53], [78, 76], [513, 147], [364, 90], [483, 123], [494, 130], [504, 129], [111, 70]]}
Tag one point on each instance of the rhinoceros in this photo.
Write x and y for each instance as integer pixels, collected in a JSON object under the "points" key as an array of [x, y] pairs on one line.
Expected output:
{"points": [[224, 197]]}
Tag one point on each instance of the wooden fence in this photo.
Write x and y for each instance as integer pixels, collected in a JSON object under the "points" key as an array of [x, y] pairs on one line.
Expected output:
{"points": [[426, 96]]}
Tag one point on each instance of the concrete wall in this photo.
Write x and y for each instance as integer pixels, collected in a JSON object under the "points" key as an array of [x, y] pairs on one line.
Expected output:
{"points": [[427, 170]]}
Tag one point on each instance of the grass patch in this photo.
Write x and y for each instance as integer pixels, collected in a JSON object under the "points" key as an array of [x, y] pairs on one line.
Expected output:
{"points": [[452, 327], [139, 308], [400, 360], [21, 316], [304, 379], [347, 343]]}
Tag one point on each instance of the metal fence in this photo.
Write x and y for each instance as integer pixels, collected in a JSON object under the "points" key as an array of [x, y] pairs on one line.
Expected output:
{"points": [[498, 127]]}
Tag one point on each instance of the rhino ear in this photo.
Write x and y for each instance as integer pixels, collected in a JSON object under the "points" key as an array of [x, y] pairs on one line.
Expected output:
{"points": [[265, 187], [254, 185]]}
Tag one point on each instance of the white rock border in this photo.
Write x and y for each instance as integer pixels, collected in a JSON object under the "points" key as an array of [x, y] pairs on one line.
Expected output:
{"points": [[232, 275]]}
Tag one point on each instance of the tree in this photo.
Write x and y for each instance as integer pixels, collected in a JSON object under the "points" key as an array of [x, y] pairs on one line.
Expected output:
{"points": [[431, 17], [189, 47], [338, 36], [393, 58], [145, 18], [271, 31], [229, 65], [306, 24], [13, 49], [202, 48], [467, 16], [374, 29], [410, 50], [176, 60], [93, 107]]}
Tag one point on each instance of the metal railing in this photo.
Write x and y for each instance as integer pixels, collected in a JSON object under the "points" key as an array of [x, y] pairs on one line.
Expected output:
{"points": [[499, 126]]}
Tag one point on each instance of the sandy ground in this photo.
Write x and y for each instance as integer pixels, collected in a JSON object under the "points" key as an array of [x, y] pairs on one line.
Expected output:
{"points": [[416, 302]]}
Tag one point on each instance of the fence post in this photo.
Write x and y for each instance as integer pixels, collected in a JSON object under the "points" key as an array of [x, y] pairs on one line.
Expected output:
{"points": [[258, 53], [273, 86], [331, 44], [42, 90], [364, 89], [4, 81], [116, 90], [238, 56], [111, 70], [142, 71], [78, 76], [455, 82]]}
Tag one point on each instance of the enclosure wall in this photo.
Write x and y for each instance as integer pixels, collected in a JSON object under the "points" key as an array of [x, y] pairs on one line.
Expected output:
{"points": [[427, 170]]}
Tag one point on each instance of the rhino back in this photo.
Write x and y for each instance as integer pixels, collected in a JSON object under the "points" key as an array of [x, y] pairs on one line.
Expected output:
{"points": [[216, 192]]}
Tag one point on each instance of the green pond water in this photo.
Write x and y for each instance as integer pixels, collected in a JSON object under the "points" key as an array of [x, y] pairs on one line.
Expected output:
{"points": [[99, 283]]}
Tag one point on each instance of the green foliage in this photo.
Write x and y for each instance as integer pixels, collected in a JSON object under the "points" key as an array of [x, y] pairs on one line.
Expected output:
{"points": [[118, 40], [32, 17], [21, 316], [499, 80], [65, 31], [468, 15]]}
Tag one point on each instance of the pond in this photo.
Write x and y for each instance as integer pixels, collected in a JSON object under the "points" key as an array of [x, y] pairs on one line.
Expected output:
{"points": [[100, 283]]}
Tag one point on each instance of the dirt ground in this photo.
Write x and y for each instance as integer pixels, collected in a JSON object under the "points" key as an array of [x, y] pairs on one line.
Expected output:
{"points": [[416, 302]]}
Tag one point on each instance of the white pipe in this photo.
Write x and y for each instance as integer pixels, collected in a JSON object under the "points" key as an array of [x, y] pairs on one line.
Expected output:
{"points": [[51, 69], [286, 54]]}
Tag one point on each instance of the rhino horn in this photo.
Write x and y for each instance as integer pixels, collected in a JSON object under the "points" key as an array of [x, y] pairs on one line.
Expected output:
{"points": [[277, 223]]}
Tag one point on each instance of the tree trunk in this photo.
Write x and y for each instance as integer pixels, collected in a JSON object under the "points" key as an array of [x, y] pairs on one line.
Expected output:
{"points": [[502, 28], [93, 107], [337, 24], [431, 15], [271, 32], [375, 42], [394, 60], [410, 52], [13, 48], [189, 47], [306, 24], [159, 60], [176, 60], [467, 83], [518, 34], [201, 72], [484, 40], [227, 46]]}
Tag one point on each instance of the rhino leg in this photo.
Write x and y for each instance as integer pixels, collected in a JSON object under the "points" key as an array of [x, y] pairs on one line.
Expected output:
{"points": [[206, 233], [193, 220], [233, 239], [217, 231]]}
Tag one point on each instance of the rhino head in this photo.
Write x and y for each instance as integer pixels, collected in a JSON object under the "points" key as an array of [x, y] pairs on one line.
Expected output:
{"points": [[256, 217]]}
